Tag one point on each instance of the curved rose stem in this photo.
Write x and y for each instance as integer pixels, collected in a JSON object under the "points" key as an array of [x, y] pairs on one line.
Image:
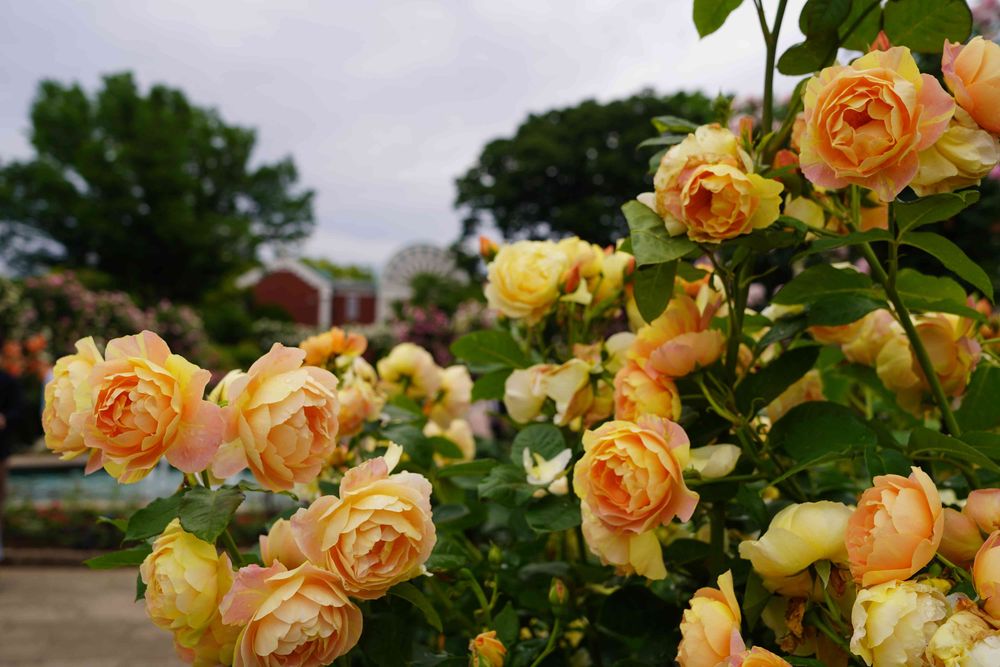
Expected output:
{"points": [[232, 549], [903, 315], [477, 590], [551, 645]]}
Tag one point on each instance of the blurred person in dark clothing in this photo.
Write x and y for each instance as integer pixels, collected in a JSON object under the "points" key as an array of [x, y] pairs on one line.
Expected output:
{"points": [[10, 410]]}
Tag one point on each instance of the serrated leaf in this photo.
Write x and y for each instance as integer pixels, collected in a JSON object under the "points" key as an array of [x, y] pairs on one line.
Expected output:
{"points": [[953, 258], [924, 25], [206, 513], [507, 485], [545, 440], [553, 513], [933, 294], [490, 386], [653, 287], [651, 244], [980, 409], [819, 428], [490, 348], [153, 518], [822, 280], [124, 558], [710, 15], [926, 210], [760, 388], [412, 594]]}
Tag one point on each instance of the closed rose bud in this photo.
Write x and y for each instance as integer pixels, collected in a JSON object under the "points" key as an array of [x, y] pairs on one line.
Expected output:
{"points": [[558, 596], [896, 529], [485, 650], [488, 248], [983, 507], [894, 622], [986, 574], [961, 538]]}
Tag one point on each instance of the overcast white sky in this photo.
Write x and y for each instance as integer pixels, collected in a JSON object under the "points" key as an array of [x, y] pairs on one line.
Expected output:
{"points": [[382, 103]]}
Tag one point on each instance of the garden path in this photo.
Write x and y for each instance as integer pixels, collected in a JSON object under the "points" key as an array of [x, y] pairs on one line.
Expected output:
{"points": [[74, 617]]}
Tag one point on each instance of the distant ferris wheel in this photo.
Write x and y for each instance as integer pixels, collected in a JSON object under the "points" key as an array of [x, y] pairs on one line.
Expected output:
{"points": [[398, 274]]}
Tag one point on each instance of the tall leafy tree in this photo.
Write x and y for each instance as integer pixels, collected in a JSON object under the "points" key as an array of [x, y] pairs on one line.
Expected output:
{"points": [[565, 171], [157, 193]]}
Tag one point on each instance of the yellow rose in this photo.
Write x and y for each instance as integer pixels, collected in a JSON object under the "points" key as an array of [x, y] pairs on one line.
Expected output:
{"points": [[568, 385], [895, 621], [460, 433], [877, 328], [710, 626], [714, 461], [585, 261], [964, 640], [679, 341], [628, 552], [963, 155], [279, 545], [359, 402], [961, 538], [453, 397], [185, 581], [792, 542], [972, 72], [867, 122], [281, 421], [298, 617], [523, 279], [617, 266], [377, 534], [410, 370], [637, 394], [68, 400], [806, 210], [485, 650], [147, 403]]}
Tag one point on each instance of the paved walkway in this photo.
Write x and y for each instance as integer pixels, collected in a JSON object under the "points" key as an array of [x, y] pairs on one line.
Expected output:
{"points": [[75, 617]]}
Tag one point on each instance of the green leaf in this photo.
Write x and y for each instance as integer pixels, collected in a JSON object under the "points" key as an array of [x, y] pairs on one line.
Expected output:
{"points": [[933, 294], [153, 518], [818, 428], [755, 598], [854, 238], [507, 625], [980, 409], [683, 551], [953, 258], [553, 513], [412, 594], [809, 56], [120, 524], [490, 386], [865, 32], [674, 125], [986, 442], [413, 441], [784, 328], [543, 439], [448, 555], [206, 512], [124, 558], [476, 468], [662, 140], [140, 587], [837, 309], [881, 461], [823, 16], [822, 280], [654, 285], [709, 15], [490, 348], [924, 211], [925, 441], [651, 244], [445, 447], [507, 485], [923, 25], [749, 499], [760, 388]]}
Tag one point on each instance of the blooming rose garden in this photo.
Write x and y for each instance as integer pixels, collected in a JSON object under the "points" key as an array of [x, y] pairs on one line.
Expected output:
{"points": [[679, 477]]}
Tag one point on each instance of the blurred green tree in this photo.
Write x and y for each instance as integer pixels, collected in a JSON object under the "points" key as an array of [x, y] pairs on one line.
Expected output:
{"points": [[565, 171], [151, 190]]}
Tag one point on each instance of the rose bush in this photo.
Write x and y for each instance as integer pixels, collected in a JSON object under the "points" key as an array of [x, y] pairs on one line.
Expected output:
{"points": [[671, 476]]}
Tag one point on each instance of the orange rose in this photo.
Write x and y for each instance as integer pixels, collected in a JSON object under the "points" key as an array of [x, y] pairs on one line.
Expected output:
{"points": [[961, 538], [983, 507], [629, 553], [986, 574], [637, 394], [710, 627], [485, 650], [146, 404], [68, 400], [336, 342], [298, 617], [972, 72], [631, 474], [279, 545], [866, 123], [757, 657], [281, 420], [807, 388], [377, 534], [679, 341], [896, 528]]}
